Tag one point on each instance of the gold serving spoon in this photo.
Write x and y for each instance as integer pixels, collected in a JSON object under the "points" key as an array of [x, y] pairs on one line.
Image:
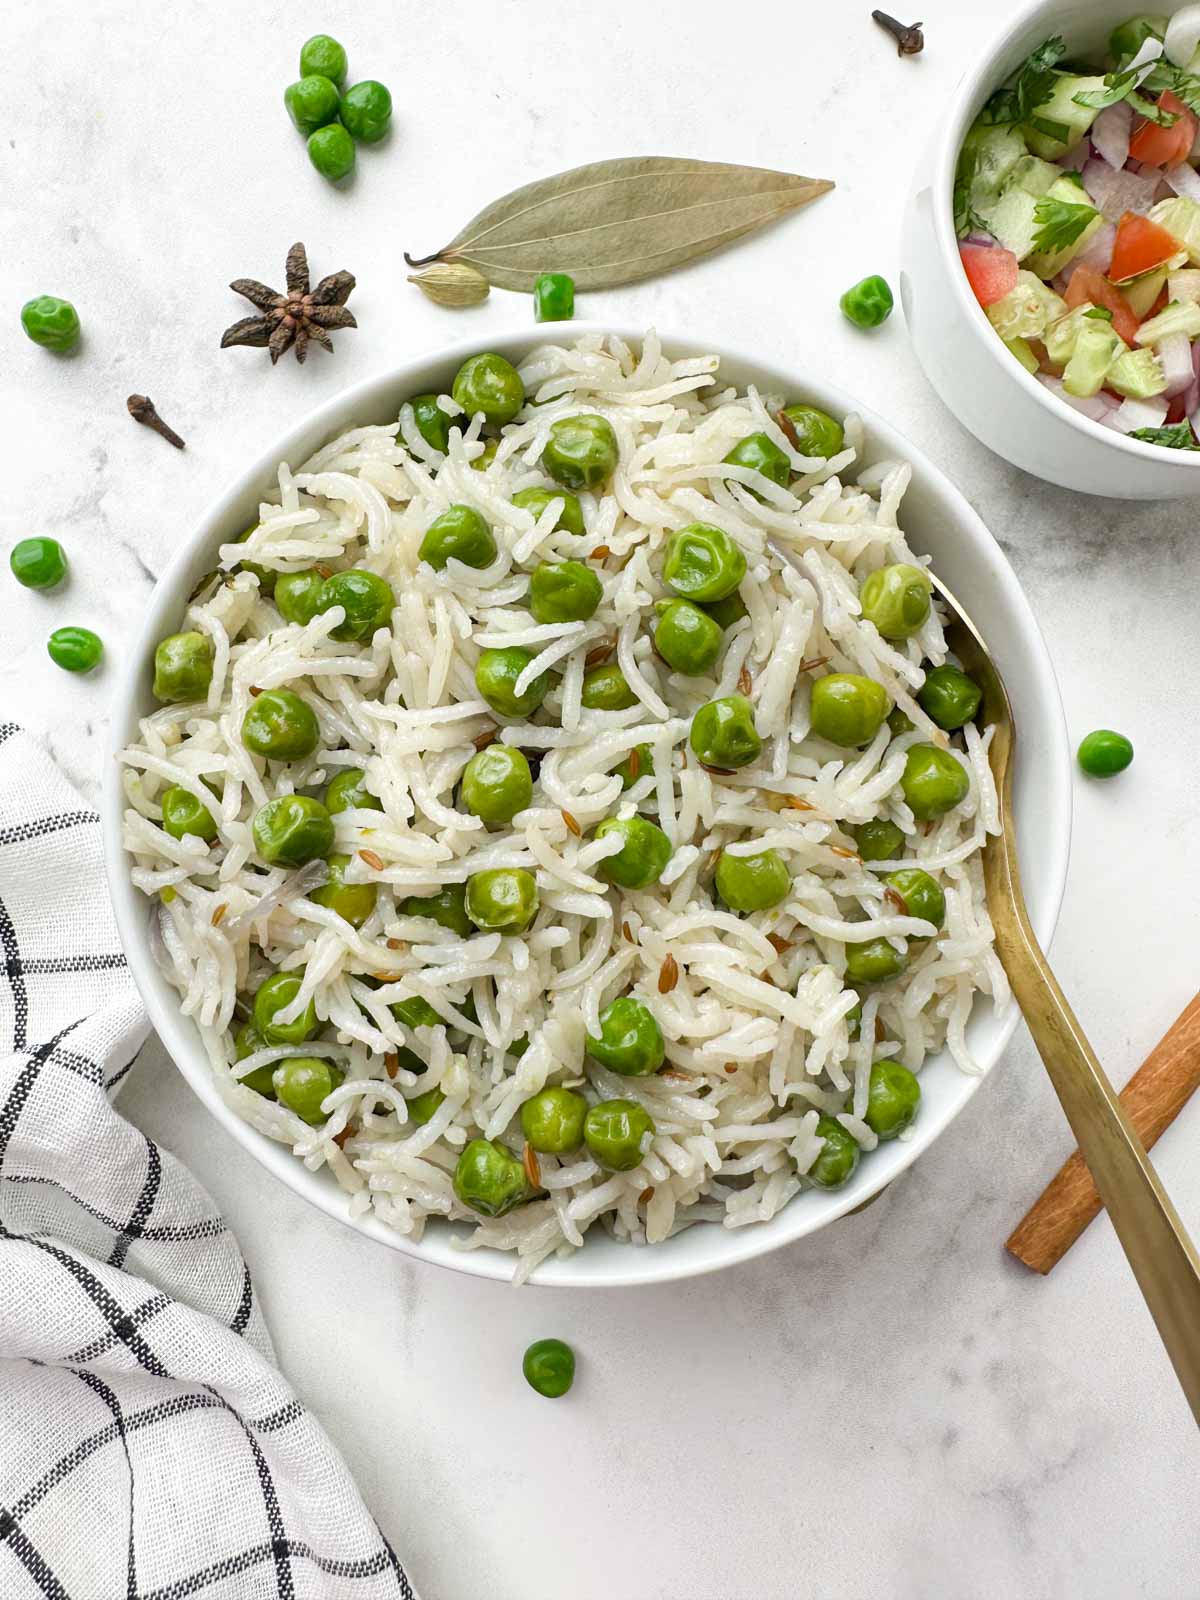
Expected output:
{"points": [[1163, 1258]]}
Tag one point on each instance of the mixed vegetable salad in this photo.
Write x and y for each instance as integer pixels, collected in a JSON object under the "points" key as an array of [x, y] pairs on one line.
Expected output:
{"points": [[1077, 208]]}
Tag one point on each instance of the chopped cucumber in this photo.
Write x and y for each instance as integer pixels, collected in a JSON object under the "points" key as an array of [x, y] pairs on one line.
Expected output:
{"points": [[1049, 263], [987, 157], [1010, 219], [1137, 375], [1141, 293], [1096, 347], [1020, 349], [1181, 316], [1058, 123], [1184, 285], [1033, 175], [1060, 337], [1180, 217], [1025, 311]]}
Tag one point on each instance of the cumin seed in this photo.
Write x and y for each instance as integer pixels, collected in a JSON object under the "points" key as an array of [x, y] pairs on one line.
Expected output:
{"points": [[529, 1161], [487, 737], [376, 863], [628, 932], [811, 663], [599, 653], [600, 553], [668, 974], [219, 914], [646, 1196], [392, 1062], [572, 824], [846, 855], [745, 682]]}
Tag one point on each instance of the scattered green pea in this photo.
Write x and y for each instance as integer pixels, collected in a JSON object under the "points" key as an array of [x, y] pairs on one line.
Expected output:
{"points": [[459, 534], [489, 1179], [496, 784], [280, 726], [331, 151], [847, 709], [486, 456], [302, 1084], [502, 899], [323, 55], [291, 830], [723, 733], [75, 649], [366, 598], [276, 992], [581, 452], [868, 303], [51, 322], [636, 764], [38, 563], [893, 1099], [630, 1040], [643, 856], [349, 792], [433, 424], [549, 1365], [725, 613], [949, 697], [414, 1012], [686, 637], [267, 576], [564, 591], [616, 1133], [535, 501], [496, 674], [298, 595], [605, 688], [422, 1106], [817, 433], [246, 1042], [759, 450], [703, 563], [1103, 754], [922, 894], [353, 902], [366, 110], [896, 599], [899, 722], [490, 385], [183, 666], [873, 961], [752, 883], [878, 840], [933, 781], [182, 814], [447, 908], [311, 102], [839, 1156], [552, 1121], [554, 297]]}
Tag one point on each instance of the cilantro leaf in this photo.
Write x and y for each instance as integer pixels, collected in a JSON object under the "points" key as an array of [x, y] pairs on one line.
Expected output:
{"points": [[1099, 314], [1059, 223], [1178, 437], [1116, 86], [1151, 112], [1032, 85], [966, 218], [1185, 85]]}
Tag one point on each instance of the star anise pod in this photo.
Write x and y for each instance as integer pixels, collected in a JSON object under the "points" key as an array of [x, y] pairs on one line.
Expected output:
{"points": [[292, 319]]}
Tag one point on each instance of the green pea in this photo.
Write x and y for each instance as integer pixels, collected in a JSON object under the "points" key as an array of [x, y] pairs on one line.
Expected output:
{"points": [[459, 534], [581, 452], [643, 856], [535, 501], [366, 110], [893, 1099], [502, 900], [486, 456], [563, 591], [687, 639], [50, 322], [899, 722], [868, 303], [1103, 754], [948, 697], [278, 991], [854, 1019], [519, 1046], [331, 151], [839, 1156], [367, 600], [878, 840], [552, 1121], [554, 297], [298, 595], [817, 433], [847, 709], [496, 674], [616, 1133], [267, 576], [38, 563], [922, 895], [630, 1040], [759, 450], [292, 830], [605, 689], [933, 782], [349, 792], [415, 1012], [302, 1083], [896, 599], [636, 764], [280, 726], [182, 813], [447, 908], [753, 883], [324, 55], [183, 668], [246, 1042], [703, 563], [422, 1106], [490, 385], [873, 961], [75, 649], [549, 1364], [311, 102], [353, 902], [496, 784], [489, 1179], [432, 422], [1128, 37], [725, 613], [723, 733]]}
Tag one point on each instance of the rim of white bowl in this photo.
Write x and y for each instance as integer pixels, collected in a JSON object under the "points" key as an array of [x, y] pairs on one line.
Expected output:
{"points": [[968, 97], [318, 1188]]}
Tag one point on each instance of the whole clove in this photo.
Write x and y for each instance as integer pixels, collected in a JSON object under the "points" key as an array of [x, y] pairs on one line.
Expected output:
{"points": [[910, 41], [142, 409]]}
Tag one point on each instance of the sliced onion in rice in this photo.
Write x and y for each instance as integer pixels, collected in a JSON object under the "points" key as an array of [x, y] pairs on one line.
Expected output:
{"points": [[1110, 134]]}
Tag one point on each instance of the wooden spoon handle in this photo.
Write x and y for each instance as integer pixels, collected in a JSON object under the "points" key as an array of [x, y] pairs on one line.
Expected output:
{"points": [[1153, 1098], [1163, 1258]]}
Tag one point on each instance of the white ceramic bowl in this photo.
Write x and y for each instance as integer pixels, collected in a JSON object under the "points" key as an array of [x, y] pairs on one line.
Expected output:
{"points": [[937, 519], [990, 393]]}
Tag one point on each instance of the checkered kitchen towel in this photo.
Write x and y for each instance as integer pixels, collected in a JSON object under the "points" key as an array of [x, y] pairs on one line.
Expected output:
{"points": [[149, 1448]]}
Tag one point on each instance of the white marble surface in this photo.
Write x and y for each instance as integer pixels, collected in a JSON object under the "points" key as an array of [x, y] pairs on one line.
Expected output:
{"points": [[893, 1408]]}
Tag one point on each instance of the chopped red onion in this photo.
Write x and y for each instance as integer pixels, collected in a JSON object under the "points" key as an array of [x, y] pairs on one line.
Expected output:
{"points": [[1097, 252], [1191, 395], [978, 237], [1175, 357], [1094, 406], [1185, 180], [1110, 134], [1117, 192], [1133, 414]]}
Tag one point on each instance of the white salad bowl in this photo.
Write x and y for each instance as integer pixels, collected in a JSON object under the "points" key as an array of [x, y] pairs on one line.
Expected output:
{"points": [[938, 520], [986, 388]]}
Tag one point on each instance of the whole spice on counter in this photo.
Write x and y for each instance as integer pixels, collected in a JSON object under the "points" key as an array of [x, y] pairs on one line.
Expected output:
{"points": [[292, 319], [451, 283], [142, 409], [910, 41]]}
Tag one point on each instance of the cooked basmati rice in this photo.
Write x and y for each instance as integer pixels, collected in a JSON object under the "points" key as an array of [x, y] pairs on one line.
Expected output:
{"points": [[756, 1034]]}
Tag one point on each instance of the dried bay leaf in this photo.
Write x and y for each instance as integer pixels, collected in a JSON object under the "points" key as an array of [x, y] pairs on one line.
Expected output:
{"points": [[614, 222]]}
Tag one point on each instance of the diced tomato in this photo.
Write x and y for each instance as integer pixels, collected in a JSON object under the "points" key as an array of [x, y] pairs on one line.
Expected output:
{"points": [[1140, 246], [991, 271], [1164, 147], [1176, 409], [1087, 284]]}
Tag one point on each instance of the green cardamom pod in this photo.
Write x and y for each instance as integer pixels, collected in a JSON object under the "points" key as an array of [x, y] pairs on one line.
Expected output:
{"points": [[451, 283]]}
